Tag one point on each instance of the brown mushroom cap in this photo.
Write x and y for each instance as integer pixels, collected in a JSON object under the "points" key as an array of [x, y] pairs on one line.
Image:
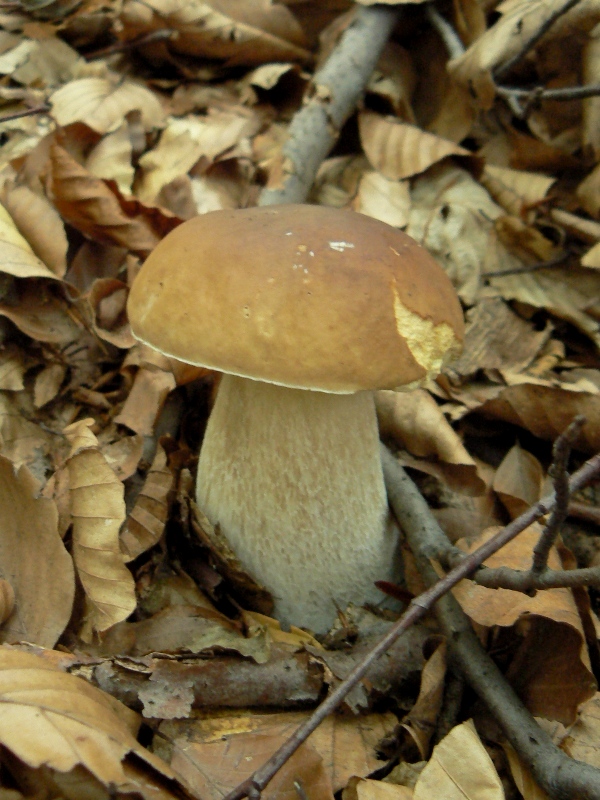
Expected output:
{"points": [[302, 296]]}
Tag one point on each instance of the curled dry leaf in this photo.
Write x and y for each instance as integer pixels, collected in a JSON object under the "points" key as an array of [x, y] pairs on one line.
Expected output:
{"points": [[102, 105], [146, 522], [496, 338], [34, 561], [383, 199], [103, 309], [144, 402], [22, 441], [185, 141], [421, 719], [460, 767], [248, 33], [55, 720], [13, 366], [112, 157], [539, 668], [415, 420], [452, 216], [518, 480], [368, 789], [40, 224], [98, 510], [514, 189], [41, 313], [93, 207], [399, 150], [16, 255], [547, 410], [47, 383]]}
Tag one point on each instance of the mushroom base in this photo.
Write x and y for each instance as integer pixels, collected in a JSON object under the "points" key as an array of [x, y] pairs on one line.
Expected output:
{"points": [[294, 480]]}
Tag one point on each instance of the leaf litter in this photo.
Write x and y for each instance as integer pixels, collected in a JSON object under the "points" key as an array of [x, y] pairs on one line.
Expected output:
{"points": [[151, 113]]}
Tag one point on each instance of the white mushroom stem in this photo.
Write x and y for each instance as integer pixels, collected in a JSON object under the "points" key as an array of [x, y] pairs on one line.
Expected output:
{"points": [[294, 479]]}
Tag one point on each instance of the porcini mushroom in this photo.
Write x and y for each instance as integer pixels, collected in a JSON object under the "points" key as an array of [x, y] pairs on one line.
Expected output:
{"points": [[306, 310]]}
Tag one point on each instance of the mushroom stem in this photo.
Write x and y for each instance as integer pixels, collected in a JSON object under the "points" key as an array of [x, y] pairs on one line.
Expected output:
{"points": [[294, 479]]}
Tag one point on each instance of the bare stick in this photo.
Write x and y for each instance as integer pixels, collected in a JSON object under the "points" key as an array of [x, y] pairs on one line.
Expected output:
{"points": [[413, 513], [121, 47], [560, 476], [28, 112], [331, 97], [554, 262], [530, 96], [503, 69]]}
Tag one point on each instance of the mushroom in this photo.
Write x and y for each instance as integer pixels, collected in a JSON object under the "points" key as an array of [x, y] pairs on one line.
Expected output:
{"points": [[305, 310]]}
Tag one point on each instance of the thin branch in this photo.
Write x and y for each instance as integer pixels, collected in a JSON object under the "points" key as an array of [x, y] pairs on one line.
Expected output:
{"points": [[585, 511], [558, 472], [28, 112], [527, 581], [331, 97], [553, 262], [120, 47], [414, 514], [503, 70], [531, 96], [447, 34]]}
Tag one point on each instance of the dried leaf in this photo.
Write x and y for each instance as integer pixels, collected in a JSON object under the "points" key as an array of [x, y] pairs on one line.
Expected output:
{"points": [[518, 480], [53, 719], [367, 789], [383, 199], [102, 105], [40, 224], [399, 150], [247, 32], [91, 206], [184, 142], [146, 522], [415, 420], [111, 159], [347, 745], [459, 769], [98, 510], [497, 338], [551, 615], [146, 399], [34, 561], [421, 719], [16, 255]]}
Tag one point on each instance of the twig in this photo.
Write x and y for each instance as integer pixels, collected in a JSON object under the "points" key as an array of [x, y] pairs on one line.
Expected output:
{"points": [[331, 97], [553, 262], [558, 472], [527, 581], [413, 514], [121, 47], [503, 70], [584, 511], [559, 775], [531, 96], [447, 34], [28, 112]]}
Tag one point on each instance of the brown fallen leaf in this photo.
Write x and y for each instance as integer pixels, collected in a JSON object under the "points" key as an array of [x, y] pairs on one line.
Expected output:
{"points": [[399, 150], [40, 224], [416, 421], [460, 767], [102, 103], [518, 480], [367, 789], [97, 209], [54, 721], [98, 510], [16, 255], [246, 33], [420, 721], [347, 745], [553, 653], [145, 524], [144, 402], [34, 561]]}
